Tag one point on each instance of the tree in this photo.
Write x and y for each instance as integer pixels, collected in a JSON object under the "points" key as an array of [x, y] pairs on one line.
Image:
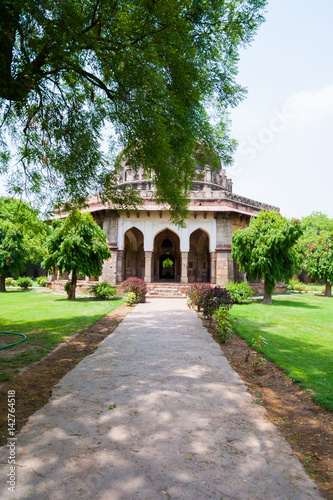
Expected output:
{"points": [[153, 72], [267, 249], [12, 251], [77, 245], [315, 225], [27, 219], [319, 262]]}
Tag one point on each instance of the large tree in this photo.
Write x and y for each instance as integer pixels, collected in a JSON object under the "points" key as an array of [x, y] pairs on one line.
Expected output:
{"points": [[156, 71], [267, 249], [77, 245], [12, 251], [27, 219], [319, 261]]}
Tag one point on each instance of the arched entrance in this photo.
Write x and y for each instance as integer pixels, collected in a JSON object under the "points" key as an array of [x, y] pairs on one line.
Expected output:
{"points": [[134, 258], [199, 258], [166, 263]]}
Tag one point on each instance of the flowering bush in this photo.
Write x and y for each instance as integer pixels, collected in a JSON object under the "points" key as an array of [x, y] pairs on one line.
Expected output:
{"points": [[10, 281], [196, 293], [213, 299], [136, 286]]}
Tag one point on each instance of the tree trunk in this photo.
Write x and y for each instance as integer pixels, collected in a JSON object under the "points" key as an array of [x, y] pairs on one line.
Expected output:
{"points": [[267, 296], [72, 287], [328, 289], [2, 283]]}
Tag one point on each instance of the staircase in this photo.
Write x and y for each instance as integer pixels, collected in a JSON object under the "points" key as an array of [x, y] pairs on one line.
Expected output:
{"points": [[166, 290]]}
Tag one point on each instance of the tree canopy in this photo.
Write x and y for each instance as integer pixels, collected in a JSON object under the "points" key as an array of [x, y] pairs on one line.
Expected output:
{"points": [[27, 219], [12, 251], [267, 249], [153, 72], [319, 261], [77, 245], [315, 225]]}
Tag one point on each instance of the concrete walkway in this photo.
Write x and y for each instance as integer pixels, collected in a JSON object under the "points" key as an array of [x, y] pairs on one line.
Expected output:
{"points": [[156, 412]]}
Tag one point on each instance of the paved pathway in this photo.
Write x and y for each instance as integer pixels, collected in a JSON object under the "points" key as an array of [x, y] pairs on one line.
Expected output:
{"points": [[183, 425]]}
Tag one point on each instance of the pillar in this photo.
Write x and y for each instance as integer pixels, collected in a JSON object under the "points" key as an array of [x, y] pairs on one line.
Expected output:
{"points": [[120, 266], [184, 269], [213, 268], [109, 272], [224, 263], [148, 260]]}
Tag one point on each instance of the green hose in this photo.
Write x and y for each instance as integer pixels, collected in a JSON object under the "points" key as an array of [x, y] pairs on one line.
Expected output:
{"points": [[15, 343]]}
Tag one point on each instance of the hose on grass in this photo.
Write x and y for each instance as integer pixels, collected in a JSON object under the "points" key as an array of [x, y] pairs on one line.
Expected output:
{"points": [[15, 343]]}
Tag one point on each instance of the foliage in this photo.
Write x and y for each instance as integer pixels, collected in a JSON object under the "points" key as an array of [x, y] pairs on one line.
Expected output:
{"points": [[10, 281], [103, 291], [299, 334], [136, 286], [27, 219], [42, 281], [78, 245], [24, 282], [167, 263], [315, 225], [225, 324], [297, 286], [259, 343], [239, 291], [131, 299], [214, 298], [47, 319], [157, 71], [196, 293], [267, 249], [12, 251], [319, 261]]}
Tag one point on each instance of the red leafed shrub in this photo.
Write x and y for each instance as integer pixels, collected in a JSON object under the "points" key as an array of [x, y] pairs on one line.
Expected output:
{"points": [[213, 299], [197, 292], [136, 286]]}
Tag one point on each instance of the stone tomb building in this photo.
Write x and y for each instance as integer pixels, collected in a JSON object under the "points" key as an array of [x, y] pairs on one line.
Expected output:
{"points": [[145, 244]]}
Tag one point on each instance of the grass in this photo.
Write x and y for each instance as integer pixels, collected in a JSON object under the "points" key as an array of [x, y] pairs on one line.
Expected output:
{"points": [[47, 319], [299, 331]]}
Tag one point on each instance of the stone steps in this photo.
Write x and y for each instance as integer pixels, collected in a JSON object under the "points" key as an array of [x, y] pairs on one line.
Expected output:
{"points": [[165, 291]]}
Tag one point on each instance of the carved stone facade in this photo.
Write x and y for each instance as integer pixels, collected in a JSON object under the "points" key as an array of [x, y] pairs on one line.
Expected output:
{"points": [[144, 243]]}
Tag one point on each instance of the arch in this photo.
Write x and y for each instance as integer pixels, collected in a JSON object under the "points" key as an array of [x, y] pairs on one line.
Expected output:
{"points": [[162, 252], [199, 257], [134, 255]]}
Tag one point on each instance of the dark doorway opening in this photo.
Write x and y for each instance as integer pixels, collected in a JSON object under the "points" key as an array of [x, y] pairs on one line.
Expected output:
{"points": [[167, 267]]}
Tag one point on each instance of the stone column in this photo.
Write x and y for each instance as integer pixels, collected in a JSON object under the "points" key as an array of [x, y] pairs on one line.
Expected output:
{"points": [[109, 272], [148, 262], [184, 270], [224, 263], [120, 266], [213, 268]]}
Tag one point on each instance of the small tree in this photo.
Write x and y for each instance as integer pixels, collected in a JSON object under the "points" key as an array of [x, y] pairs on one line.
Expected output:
{"points": [[266, 249], [78, 246], [12, 251], [319, 262]]}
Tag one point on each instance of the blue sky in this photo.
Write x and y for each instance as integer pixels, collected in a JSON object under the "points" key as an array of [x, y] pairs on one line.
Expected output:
{"points": [[285, 124]]}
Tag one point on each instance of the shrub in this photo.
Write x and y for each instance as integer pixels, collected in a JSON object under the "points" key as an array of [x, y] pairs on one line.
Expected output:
{"points": [[131, 298], [24, 282], [213, 299], [103, 291], [196, 294], [42, 281], [297, 286], [10, 281], [239, 291], [136, 286], [225, 324], [67, 286]]}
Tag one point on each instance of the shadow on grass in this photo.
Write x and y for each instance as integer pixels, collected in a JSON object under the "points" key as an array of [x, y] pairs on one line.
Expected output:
{"points": [[280, 302], [307, 363]]}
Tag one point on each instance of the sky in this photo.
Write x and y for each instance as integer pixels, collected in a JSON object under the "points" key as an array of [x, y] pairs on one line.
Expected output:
{"points": [[285, 124]]}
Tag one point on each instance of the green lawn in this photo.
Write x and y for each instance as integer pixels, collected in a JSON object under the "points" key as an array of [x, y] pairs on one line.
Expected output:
{"points": [[46, 319], [299, 331]]}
